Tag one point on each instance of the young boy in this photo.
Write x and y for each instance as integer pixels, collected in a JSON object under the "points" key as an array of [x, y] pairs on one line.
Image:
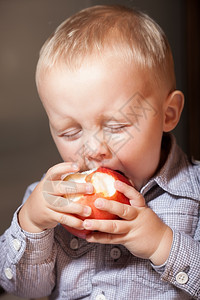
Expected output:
{"points": [[106, 80]]}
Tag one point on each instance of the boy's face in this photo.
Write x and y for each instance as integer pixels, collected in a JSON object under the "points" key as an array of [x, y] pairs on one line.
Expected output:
{"points": [[106, 114]]}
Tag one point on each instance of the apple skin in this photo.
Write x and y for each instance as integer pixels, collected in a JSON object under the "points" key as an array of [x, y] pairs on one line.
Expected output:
{"points": [[89, 199]]}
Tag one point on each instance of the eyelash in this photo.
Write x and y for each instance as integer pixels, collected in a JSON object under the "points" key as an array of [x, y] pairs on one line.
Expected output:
{"points": [[115, 129], [112, 129], [71, 136]]}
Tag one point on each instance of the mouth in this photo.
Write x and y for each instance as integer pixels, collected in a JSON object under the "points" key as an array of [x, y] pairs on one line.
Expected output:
{"points": [[120, 172], [104, 166]]}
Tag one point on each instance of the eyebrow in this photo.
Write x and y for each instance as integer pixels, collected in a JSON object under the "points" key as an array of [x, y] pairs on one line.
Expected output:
{"points": [[108, 117], [67, 122]]}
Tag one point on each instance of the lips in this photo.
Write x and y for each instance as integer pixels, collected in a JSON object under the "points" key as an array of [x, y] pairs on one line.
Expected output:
{"points": [[120, 172]]}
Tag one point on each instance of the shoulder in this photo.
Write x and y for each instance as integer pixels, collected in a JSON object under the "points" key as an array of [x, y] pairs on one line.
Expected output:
{"points": [[196, 166], [180, 176], [192, 176], [195, 171]]}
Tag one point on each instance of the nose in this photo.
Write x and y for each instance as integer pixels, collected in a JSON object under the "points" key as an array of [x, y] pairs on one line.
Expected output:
{"points": [[96, 148]]}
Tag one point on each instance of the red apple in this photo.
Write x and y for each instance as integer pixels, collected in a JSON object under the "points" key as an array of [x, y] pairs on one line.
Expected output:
{"points": [[103, 180]]}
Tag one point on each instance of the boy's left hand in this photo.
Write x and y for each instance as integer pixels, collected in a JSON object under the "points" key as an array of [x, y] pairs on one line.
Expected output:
{"points": [[140, 230]]}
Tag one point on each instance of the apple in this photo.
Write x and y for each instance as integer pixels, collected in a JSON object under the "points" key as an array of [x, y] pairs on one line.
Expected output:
{"points": [[103, 180]]}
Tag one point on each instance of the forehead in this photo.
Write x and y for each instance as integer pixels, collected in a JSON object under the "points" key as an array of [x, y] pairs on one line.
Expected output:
{"points": [[98, 86]]}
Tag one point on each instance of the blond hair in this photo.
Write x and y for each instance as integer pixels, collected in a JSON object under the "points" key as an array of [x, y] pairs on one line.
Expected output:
{"points": [[130, 35]]}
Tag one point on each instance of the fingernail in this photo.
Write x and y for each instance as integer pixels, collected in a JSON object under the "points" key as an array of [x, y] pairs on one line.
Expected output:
{"points": [[99, 203], [87, 223], [89, 188], [87, 211]]}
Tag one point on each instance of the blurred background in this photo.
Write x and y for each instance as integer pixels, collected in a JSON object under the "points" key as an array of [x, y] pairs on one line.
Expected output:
{"points": [[26, 147]]}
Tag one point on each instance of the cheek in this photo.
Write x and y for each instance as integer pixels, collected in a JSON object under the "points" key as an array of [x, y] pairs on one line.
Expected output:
{"points": [[118, 142], [142, 150], [69, 151]]}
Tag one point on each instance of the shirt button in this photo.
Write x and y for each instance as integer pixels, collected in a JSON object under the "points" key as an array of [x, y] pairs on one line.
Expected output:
{"points": [[8, 273], [74, 244], [100, 297], [16, 244], [115, 253], [182, 277]]}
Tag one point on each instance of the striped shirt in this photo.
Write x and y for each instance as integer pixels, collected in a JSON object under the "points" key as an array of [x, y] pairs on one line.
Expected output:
{"points": [[56, 263]]}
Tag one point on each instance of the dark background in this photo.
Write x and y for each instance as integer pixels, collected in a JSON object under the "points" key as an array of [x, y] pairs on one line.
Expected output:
{"points": [[26, 147]]}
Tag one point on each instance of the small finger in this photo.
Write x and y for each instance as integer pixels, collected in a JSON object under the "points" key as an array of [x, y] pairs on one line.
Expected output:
{"points": [[105, 238], [131, 193], [59, 187], [123, 211], [66, 205], [67, 219], [55, 172], [107, 226]]}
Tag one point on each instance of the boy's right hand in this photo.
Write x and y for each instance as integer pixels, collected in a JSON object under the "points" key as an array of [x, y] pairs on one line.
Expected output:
{"points": [[46, 206]]}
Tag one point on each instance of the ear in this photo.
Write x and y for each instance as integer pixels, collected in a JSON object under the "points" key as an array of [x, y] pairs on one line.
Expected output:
{"points": [[173, 108]]}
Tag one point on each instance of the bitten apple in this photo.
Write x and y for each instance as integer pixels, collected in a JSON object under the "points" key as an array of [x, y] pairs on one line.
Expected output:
{"points": [[103, 180]]}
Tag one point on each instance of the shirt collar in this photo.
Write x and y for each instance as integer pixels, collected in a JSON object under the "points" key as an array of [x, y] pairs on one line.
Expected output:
{"points": [[177, 176]]}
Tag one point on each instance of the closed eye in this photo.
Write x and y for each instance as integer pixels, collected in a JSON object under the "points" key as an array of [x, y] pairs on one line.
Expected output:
{"points": [[72, 134], [115, 128]]}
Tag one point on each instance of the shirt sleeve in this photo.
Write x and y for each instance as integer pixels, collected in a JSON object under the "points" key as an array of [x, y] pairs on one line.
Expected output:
{"points": [[182, 268], [27, 260]]}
